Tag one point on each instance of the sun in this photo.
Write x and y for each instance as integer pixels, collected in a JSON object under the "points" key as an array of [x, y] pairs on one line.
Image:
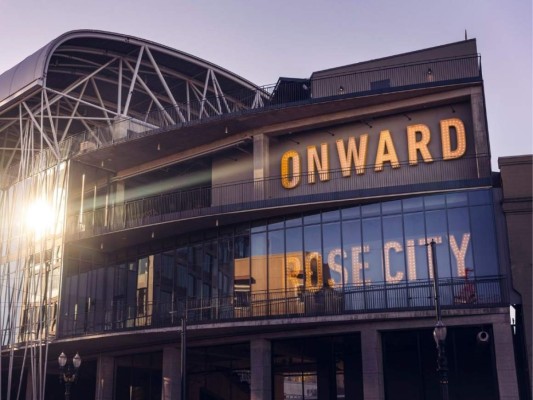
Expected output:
{"points": [[40, 217]]}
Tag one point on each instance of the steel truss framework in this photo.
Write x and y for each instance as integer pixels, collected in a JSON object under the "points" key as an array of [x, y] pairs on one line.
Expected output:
{"points": [[99, 87]]}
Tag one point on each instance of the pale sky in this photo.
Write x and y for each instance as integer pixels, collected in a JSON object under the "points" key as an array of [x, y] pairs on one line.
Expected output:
{"points": [[263, 40]]}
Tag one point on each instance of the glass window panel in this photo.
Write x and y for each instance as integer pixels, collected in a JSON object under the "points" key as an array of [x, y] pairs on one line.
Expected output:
{"points": [[417, 257], [413, 204], [293, 222], [258, 277], [312, 219], [479, 197], [329, 216], [241, 279], [259, 226], [275, 223], [333, 256], [434, 202], [393, 249], [436, 226], [313, 263], [484, 241], [352, 212], [371, 210], [460, 242], [372, 239], [225, 254], [352, 247], [294, 259], [394, 260], [391, 207], [456, 199], [276, 260]]}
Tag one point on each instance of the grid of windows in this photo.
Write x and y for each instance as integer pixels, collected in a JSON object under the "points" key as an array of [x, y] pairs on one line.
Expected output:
{"points": [[379, 247]]}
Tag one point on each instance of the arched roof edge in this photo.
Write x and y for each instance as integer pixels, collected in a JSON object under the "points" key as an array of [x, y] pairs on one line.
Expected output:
{"points": [[31, 71]]}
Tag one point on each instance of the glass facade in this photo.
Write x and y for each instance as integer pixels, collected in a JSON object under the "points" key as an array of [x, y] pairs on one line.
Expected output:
{"points": [[362, 258]]}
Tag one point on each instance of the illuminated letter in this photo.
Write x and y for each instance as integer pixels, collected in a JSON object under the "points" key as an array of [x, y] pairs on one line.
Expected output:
{"points": [[337, 267], [290, 160], [294, 271], [411, 260], [421, 145], [309, 270], [387, 248], [357, 266], [426, 242], [447, 152], [313, 160], [460, 253], [352, 154], [386, 151]]}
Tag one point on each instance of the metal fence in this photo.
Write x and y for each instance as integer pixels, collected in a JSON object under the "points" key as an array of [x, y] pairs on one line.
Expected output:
{"points": [[455, 293]]}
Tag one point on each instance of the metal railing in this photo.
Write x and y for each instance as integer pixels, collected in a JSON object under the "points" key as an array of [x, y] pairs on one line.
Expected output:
{"points": [[432, 73], [455, 293], [255, 194]]}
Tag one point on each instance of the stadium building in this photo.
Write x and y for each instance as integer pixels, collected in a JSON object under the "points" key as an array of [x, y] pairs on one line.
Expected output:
{"points": [[193, 235]]}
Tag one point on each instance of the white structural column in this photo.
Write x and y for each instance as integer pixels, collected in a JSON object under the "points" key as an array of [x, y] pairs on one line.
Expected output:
{"points": [[104, 378], [261, 165], [260, 370], [171, 389], [373, 387], [505, 361]]}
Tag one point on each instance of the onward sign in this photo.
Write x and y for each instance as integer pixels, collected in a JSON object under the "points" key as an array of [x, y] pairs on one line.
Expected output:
{"points": [[353, 153]]}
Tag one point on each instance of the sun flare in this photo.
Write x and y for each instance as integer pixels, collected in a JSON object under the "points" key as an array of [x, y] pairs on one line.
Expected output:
{"points": [[40, 217]]}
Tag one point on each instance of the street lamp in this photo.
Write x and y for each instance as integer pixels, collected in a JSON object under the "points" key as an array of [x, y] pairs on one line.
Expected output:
{"points": [[68, 373], [440, 331], [439, 334]]}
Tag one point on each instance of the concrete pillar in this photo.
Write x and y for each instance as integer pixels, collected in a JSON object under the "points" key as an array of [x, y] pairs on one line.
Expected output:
{"points": [[372, 361], [105, 369], [171, 389], [505, 361], [261, 165], [479, 123], [261, 370]]}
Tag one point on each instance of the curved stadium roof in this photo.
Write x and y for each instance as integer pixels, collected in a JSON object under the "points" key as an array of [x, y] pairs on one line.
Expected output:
{"points": [[87, 80], [94, 44]]}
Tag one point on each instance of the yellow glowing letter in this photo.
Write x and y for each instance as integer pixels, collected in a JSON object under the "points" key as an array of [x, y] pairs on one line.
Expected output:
{"points": [[386, 249], [418, 145], [358, 156], [386, 151], [357, 266], [447, 152], [321, 163], [313, 270], [290, 160], [337, 267], [460, 252], [411, 260], [426, 242]]}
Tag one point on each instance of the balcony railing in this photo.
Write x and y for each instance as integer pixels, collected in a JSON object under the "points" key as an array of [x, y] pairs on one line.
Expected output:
{"points": [[285, 93], [256, 194], [455, 293]]}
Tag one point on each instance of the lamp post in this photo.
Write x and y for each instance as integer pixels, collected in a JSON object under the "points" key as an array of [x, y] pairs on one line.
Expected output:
{"points": [[439, 333], [68, 373]]}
